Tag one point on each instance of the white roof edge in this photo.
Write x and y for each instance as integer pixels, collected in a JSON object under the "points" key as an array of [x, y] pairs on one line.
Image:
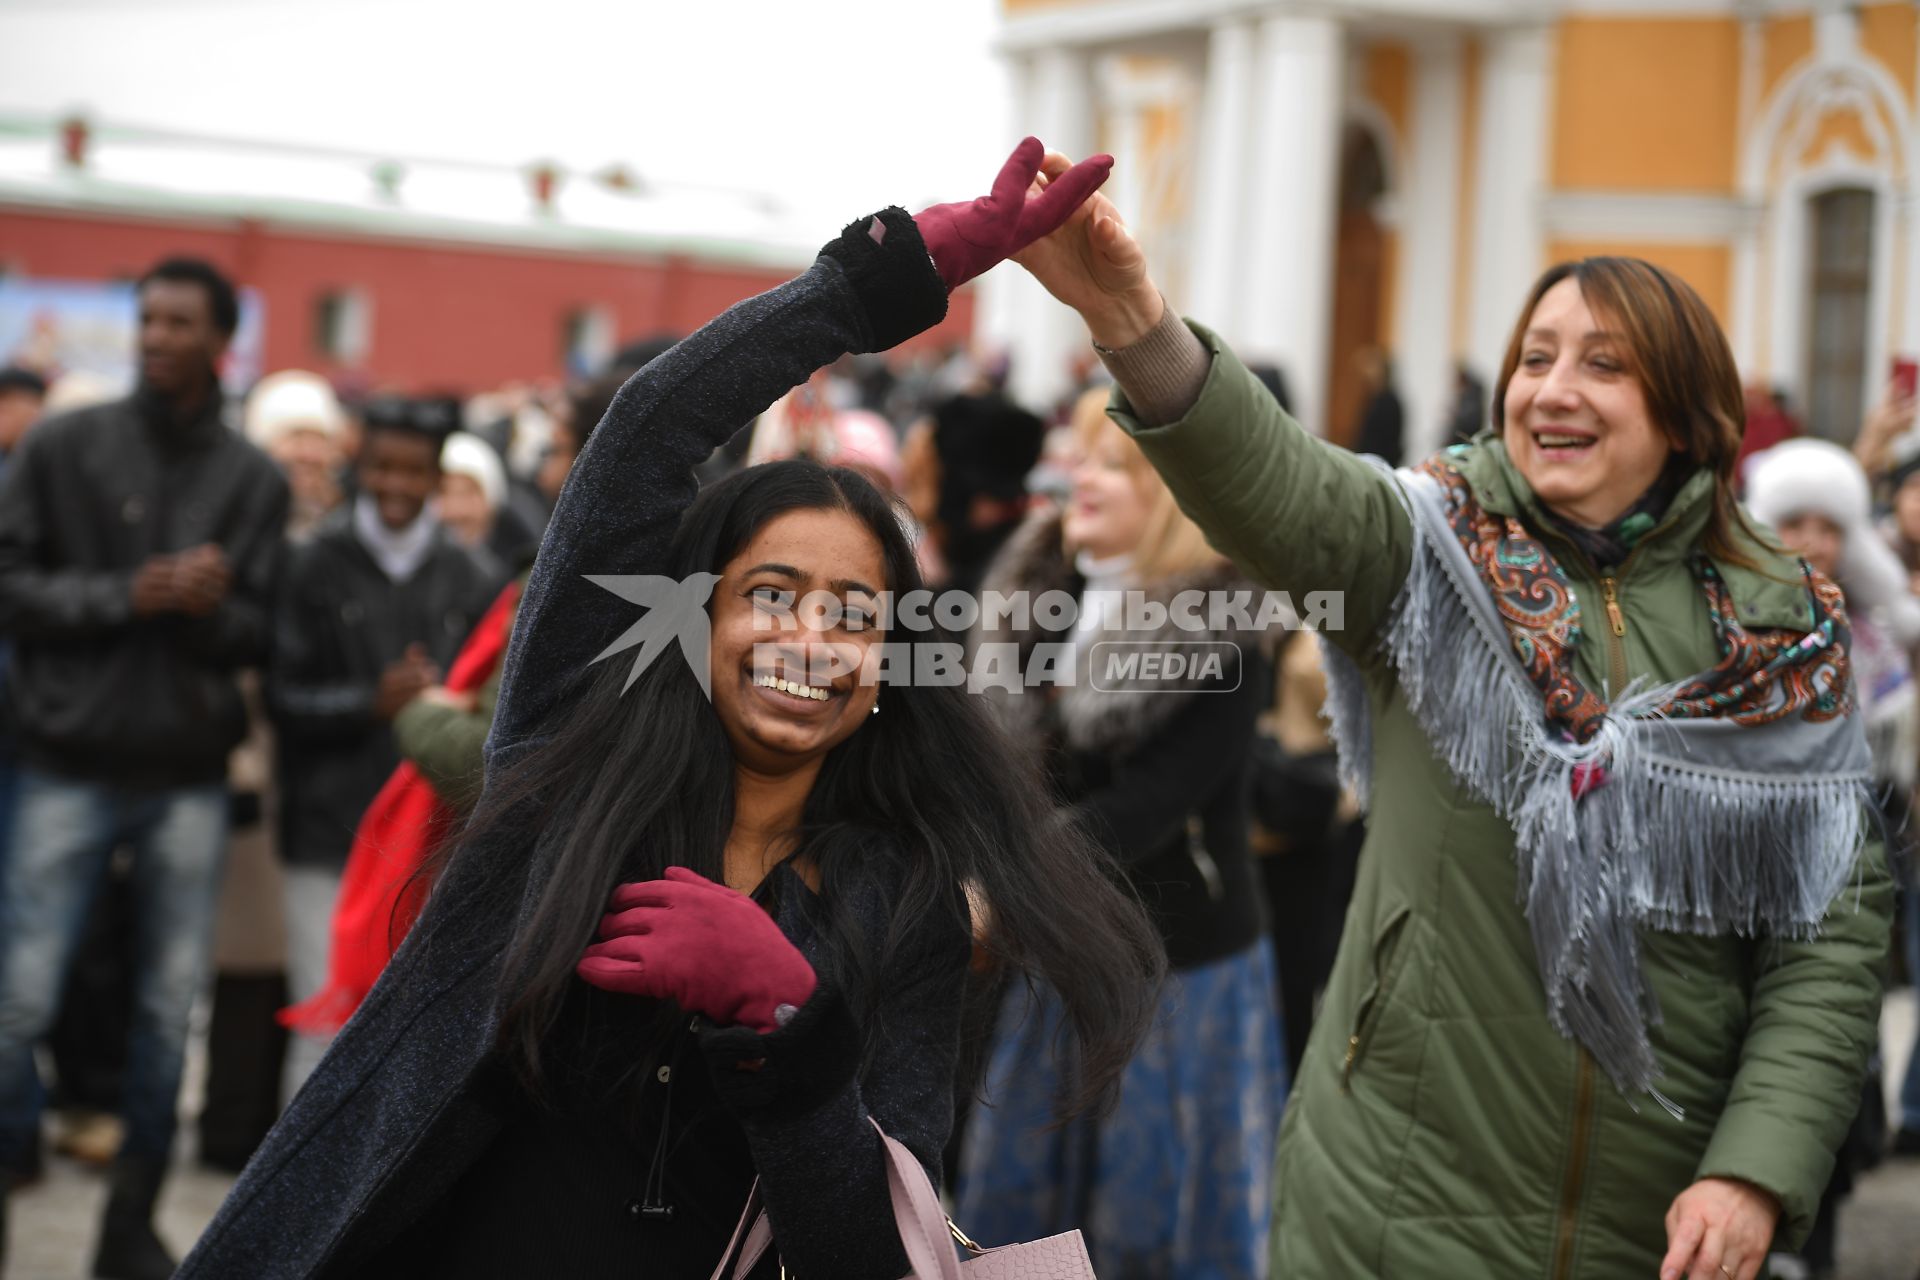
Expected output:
{"points": [[107, 199]]}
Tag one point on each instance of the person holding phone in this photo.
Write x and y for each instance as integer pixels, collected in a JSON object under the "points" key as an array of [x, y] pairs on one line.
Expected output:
{"points": [[1611, 973]]}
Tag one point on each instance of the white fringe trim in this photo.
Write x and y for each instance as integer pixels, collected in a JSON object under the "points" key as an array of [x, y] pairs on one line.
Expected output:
{"points": [[1682, 845]]}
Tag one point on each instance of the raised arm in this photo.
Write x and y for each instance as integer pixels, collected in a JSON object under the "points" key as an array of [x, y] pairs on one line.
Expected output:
{"points": [[1295, 512], [869, 289], [885, 279]]}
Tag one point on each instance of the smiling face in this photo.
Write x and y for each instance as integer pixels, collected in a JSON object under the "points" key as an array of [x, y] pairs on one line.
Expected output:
{"points": [[1577, 424], [399, 470], [1107, 512], [786, 678], [464, 509], [310, 459], [1815, 539]]}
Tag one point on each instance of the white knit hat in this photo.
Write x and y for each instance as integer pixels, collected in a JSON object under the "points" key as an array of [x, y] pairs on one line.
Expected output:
{"points": [[1801, 477], [465, 454], [1798, 477], [292, 400]]}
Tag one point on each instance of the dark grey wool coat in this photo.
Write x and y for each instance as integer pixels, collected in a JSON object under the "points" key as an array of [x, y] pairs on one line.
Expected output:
{"points": [[396, 1113]]}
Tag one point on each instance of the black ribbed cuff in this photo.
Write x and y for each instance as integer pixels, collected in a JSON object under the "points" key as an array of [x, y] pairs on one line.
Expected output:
{"points": [[793, 1069], [894, 277]]}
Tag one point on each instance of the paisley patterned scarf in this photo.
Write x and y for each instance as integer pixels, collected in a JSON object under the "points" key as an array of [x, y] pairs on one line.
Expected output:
{"points": [[1761, 675], [1732, 801]]}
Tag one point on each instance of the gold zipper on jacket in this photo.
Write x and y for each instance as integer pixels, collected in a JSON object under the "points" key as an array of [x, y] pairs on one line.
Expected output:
{"points": [[1616, 638], [1574, 1181]]}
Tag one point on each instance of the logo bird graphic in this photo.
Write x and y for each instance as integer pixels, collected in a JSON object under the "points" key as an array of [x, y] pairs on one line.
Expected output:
{"points": [[676, 611]]}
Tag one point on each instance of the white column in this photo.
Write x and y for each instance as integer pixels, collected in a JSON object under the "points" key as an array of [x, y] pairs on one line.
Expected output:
{"points": [[1748, 290], [1908, 343], [1288, 228], [1218, 250], [1043, 334], [1430, 205], [1786, 244], [1516, 103], [1745, 302], [1001, 297]]}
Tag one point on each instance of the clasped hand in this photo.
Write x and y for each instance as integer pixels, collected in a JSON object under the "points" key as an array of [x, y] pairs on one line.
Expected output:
{"points": [[969, 237], [191, 582], [707, 948]]}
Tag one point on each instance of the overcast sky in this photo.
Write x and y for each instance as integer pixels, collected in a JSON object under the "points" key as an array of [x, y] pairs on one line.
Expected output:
{"points": [[836, 105]]}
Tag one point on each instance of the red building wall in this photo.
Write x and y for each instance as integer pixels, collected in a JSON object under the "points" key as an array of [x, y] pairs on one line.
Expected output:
{"points": [[445, 316]]}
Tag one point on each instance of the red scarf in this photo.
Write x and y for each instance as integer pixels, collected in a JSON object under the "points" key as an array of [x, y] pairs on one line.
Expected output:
{"points": [[380, 894]]}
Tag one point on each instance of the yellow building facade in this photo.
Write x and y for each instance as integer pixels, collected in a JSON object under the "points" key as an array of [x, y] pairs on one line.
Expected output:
{"points": [[1315, 180]]}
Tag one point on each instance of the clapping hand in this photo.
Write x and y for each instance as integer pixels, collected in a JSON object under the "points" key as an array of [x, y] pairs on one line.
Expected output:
{"points": [[404, 679]]}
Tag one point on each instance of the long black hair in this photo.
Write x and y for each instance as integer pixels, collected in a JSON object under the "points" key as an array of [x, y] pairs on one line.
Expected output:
{"points": [[626, 785]]}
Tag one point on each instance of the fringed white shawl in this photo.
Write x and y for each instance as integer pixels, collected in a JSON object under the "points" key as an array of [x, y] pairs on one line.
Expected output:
{"points": [[1702, 825]]}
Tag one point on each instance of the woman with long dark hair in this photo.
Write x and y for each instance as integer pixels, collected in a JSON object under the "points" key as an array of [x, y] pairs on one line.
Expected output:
{"points": [[759, 862]]}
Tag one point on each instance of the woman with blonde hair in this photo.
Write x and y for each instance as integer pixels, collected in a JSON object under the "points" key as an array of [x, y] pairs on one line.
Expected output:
{"points": [[1611, 973], [1155, 768]]}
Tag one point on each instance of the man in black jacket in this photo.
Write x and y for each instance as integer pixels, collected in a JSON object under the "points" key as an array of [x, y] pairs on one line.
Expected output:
{"points": [[22, 393], [376, 605], [139, 543]]}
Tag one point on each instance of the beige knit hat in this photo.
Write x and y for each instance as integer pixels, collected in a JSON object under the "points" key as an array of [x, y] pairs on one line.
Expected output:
{"points": [[292, 400]]}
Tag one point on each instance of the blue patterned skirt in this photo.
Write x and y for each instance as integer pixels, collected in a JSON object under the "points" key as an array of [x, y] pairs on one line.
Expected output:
{"points": [[1175, 1184]]}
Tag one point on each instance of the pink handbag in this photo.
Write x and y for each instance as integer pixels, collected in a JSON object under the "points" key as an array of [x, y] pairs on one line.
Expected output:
{"points": [[925, 1234]]}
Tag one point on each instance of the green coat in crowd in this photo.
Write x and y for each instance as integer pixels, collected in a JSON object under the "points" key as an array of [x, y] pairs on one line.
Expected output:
{"points": [[1440, 1126]]}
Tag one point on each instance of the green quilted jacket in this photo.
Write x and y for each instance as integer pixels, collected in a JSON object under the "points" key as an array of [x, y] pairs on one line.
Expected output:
{"points": [[1440, 1127]]}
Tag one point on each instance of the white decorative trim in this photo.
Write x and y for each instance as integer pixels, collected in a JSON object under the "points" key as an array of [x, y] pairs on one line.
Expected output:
{"points": [[1061, 101], [1219, 214], [1516, 99], [1123, 20], [1908, 341], [126, 203], [1684, 8], [1839, 76], [1293, 197], [1744, 302], [1789, 250], [1648, 216], [1817, 80]]}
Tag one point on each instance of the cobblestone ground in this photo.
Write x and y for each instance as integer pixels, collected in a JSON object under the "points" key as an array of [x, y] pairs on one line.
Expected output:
{"points": [[53, 1221]]}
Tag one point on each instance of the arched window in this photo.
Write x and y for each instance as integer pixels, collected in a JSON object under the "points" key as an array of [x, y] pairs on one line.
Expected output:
{"points": [[1840, 230]]}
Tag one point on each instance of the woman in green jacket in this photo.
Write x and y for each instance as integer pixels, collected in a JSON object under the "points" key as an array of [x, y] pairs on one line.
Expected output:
{"points": [[1611, 972]]}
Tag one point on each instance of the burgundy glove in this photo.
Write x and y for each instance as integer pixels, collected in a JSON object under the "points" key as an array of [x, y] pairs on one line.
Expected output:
{"points": [[967, 238], [708, 949]]}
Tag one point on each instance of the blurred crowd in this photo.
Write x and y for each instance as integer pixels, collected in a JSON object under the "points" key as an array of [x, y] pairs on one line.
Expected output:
{"points": [[252, 648]]}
